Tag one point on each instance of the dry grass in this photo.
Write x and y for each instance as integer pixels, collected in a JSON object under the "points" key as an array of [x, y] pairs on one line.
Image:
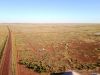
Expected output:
{"points": [[50, 43], [3, 37]]}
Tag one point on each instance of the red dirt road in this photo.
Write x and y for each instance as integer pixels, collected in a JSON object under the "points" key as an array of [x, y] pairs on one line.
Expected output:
{"points": [[5, 68]]}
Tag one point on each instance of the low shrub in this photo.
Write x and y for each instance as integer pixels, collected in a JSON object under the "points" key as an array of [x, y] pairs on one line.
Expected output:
{"points": [[36, 67]]}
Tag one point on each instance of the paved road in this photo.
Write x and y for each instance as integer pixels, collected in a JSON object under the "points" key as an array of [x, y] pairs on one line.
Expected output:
{"points": [[5, 68]]}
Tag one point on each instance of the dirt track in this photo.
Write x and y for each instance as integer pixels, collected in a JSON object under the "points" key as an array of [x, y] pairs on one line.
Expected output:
{"points": [[5, 67]]}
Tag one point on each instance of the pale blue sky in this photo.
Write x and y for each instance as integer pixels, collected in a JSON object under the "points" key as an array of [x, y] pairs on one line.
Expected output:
{"points": [[49, 10]]}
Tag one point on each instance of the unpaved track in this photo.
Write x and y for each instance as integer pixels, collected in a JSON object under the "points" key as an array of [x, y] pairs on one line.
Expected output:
{"points": [[5, 68]]}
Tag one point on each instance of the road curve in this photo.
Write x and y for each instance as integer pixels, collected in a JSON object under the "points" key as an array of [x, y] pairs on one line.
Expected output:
{"points": [[5, 68]]}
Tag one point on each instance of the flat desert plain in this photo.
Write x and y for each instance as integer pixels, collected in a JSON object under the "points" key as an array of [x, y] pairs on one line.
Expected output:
{"points": [[44, 49]]}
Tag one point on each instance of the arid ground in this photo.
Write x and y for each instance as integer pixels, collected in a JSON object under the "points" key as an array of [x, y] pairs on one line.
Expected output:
{"points": [[42, 49]]}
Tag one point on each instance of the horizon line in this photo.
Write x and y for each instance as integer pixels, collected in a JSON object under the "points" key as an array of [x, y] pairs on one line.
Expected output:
{"points": [[49, 22]]}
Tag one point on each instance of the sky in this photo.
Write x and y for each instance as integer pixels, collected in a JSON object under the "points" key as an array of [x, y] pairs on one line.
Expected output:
{"points": [[85, 11]]}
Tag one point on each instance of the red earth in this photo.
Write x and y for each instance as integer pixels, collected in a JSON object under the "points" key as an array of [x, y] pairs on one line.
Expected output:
{"points": [[83, 51]]}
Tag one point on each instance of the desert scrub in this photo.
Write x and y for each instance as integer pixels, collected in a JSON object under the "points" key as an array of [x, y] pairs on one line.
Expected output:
{"points": [[38, 67], [85, 66], [55, 61], [44, 66], [43, 61]]}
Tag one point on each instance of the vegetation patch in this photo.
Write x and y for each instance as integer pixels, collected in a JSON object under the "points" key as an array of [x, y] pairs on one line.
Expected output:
{"points": [[36, 67], [40, 67]]}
